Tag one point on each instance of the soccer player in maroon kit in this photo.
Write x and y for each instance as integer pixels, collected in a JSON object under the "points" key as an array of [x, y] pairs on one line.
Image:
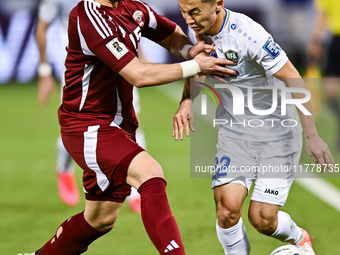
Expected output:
{"points": [[98, 121]]}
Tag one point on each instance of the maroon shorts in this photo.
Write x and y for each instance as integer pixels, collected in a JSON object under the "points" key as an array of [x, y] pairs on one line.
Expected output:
{"points": [[104, 153]]}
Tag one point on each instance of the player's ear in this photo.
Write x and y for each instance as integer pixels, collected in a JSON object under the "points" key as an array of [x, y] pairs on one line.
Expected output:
{"points": [[219, 5]]}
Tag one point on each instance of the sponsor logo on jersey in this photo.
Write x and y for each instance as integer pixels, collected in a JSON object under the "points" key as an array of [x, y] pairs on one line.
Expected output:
{"points": [[272, 48], [231, 55], [117, 48], [271, 192], [138, 16]]}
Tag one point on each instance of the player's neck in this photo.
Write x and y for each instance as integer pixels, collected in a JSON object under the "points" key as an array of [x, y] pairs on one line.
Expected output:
{"points": [[218, 24], [107, 3]]}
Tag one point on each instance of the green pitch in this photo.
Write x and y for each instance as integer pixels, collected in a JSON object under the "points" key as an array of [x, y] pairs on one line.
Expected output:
{"points": [[30, 210]]}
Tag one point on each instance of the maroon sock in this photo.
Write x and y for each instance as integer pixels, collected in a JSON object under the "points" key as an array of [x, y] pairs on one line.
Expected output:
{"points": [[73, 237], [158, 220]]}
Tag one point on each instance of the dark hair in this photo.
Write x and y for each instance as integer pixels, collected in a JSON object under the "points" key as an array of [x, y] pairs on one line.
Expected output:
{"points": [[209, 1], [113, 1]]}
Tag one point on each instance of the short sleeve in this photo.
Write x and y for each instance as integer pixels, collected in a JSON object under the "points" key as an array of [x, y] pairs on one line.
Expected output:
{"points": [[99, 37], [158, 27], [260, 46]]}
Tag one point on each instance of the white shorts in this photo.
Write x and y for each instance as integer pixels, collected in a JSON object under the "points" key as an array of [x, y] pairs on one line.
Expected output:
{"points": [[271, 164]]}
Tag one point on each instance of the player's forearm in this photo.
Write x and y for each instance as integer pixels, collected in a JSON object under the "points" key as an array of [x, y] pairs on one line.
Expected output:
{"points": [[40, 34], [292, 79], [176, 42], [191, 87], [307, 121], [144, 74]]}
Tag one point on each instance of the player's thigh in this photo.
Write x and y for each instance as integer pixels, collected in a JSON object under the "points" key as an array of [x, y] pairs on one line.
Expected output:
{"points": [[104, 153], [278, 170], [101, 215], [142, 168], [233, 162]]}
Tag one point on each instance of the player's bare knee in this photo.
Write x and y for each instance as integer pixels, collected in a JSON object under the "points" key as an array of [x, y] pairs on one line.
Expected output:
{"points": [[142, 168], [155, 170], [264, 223], [228, 214]]}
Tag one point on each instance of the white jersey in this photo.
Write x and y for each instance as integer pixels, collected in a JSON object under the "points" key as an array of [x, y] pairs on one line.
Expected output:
{"points": [[49, 10], [246, 42]]}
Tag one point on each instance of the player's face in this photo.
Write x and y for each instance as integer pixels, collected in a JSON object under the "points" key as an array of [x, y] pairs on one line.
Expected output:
{"points": [[201, 17]]}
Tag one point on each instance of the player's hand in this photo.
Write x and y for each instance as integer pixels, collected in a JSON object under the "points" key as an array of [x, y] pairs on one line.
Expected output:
{"points": [[319, 152], [201, 46], [211, 66], [46, 88], [183, 120]]}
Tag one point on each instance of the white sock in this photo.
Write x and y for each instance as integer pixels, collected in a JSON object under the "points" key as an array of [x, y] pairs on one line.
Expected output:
{"points": [[234, 240], [134, 194], [287, 229], [64, 160]]}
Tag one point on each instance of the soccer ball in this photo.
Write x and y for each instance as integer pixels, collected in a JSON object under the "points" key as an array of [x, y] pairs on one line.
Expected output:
{"points": [[290, 250]]}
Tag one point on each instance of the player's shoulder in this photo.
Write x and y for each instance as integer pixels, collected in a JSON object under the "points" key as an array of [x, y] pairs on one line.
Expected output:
{"points": [[239, 23], [245, 31], [136, 4]]}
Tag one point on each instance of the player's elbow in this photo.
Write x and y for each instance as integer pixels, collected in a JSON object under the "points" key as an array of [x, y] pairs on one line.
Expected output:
{"points": [[140, 81], [137, 73]]}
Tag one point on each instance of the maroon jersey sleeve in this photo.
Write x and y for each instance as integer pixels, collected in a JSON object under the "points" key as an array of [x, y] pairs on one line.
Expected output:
{"points": [[100, 36], [157, 27]]}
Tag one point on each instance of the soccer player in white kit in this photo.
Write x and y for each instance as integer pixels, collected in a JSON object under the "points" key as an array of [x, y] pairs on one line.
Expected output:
{"points": [[238, 38], [49, 11]]}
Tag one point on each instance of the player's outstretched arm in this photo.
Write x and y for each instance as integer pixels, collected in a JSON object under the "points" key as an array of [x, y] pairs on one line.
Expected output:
{"points": [[315, 146], [145, 74]]}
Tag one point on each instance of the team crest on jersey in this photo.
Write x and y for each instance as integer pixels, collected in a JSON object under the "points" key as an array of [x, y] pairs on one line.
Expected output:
{"points": [[117, 48], [232, 55], [138, 16], [272, 48]]}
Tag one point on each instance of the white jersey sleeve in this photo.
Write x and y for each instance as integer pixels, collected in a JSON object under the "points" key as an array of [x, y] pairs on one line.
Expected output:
{"points": [[259, 45]]}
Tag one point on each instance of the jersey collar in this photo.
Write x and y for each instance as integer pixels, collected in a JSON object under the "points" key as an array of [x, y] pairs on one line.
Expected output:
{"points": [[226, 19]]}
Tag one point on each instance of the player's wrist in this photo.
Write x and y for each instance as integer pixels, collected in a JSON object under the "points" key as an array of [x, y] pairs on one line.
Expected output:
{"points": [[185, 101], [44, 70], [185, 51], [190, 68]]}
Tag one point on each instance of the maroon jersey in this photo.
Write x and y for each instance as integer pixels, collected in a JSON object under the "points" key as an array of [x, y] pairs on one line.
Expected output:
{"points": [[102, 41]]}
